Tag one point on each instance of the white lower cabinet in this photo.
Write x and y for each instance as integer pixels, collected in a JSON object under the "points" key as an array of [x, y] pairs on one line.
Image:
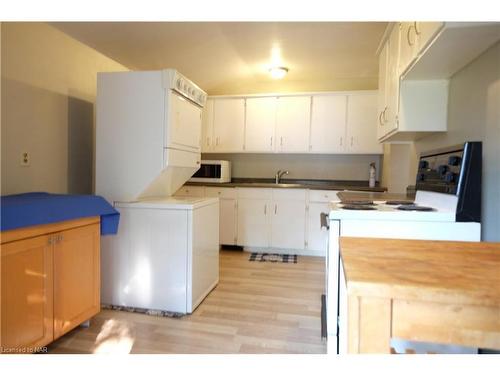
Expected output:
{"points": [[317, 238], [288, 219], [227, 213], [278, 219], [253, 222]]}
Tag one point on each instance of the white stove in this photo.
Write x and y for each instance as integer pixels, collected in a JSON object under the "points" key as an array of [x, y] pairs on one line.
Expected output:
{"points": [[446, 207]]}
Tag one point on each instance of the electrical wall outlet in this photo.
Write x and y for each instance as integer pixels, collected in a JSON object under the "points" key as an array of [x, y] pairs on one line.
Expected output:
{"points": [[25, 159]]}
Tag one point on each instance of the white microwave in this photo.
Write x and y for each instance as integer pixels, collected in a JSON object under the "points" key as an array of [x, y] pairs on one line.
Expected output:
{"points": [[218, 171]]}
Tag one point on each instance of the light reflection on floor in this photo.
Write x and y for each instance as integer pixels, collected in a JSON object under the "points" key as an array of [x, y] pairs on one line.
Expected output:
{"points": [[115, 337]]}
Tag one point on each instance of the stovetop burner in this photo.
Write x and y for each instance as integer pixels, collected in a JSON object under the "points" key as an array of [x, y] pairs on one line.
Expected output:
{"points": [[363, 207], [414, 207], [398, 203]]}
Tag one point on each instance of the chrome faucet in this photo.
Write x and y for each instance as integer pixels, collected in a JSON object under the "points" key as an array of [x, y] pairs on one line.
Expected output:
{"points": [[278, 176]]}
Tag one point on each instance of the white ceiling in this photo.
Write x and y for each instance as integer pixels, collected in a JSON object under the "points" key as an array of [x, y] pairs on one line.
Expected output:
{"points": [[233, 57]]}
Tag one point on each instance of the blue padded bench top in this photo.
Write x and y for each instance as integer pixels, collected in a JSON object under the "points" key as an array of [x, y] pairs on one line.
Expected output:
{"points": [[28, 209]]}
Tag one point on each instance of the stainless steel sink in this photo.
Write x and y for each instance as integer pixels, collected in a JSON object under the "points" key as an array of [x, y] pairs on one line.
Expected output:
{"points": [[272, 185]]}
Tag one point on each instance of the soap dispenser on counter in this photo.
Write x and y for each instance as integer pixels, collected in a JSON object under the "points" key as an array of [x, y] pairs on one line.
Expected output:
{"points": [[373, 172]]}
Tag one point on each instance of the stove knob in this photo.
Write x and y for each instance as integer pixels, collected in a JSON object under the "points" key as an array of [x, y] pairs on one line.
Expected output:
{"points": [[442, 169], [450, 177], [454, 160], [421, 177], [423, 164]]}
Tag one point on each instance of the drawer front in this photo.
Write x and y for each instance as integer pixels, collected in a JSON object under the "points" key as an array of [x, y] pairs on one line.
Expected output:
{"points": [[228, 193], [254, 193], [323, 195], [190, 191], [289, 194]]}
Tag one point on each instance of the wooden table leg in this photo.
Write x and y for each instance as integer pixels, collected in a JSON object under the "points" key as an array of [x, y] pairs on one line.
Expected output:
{"points": [[369, 324]]}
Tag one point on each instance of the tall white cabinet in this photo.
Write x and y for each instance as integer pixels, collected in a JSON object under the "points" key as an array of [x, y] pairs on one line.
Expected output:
{"points": [[254, 217], [228, 125], [288, 219], [328, 124], [292, 124], [260, 124], [361, 132]]}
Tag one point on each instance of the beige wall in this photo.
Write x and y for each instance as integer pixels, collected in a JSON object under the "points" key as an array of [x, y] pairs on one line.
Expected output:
{"points": [[48, 95], [300, 166]]}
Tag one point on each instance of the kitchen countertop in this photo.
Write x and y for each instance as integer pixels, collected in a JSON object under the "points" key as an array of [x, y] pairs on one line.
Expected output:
{"points": [[294, 184], [423, 291], [432, 270], [373, 196]]}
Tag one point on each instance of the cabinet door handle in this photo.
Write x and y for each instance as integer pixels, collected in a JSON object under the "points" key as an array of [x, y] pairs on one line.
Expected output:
{"points": [[208, 141], [281, 141], [415, 25], [51, 240], [271, 141], [275, 209], [340, 141], [380, 118], [352, 140], [383, 115], [217, 141], [408, 35]]}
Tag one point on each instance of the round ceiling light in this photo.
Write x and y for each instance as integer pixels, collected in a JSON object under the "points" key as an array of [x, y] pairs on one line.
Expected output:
{"points": [[278, 72]]}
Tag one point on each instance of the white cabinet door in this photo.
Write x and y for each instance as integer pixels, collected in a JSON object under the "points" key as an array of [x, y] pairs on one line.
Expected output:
{"points": [[328, 123], [392, 87], [227, 221], [382, 89], [229, 124], [260, 124], [184, 129], [253, 222], [408, 43], [288, 224], [317, 238], [293, 123], [362, 124], [207, 126]]}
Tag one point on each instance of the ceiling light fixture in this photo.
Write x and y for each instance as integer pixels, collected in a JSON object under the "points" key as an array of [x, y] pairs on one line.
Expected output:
{"points": [[278, 72]]}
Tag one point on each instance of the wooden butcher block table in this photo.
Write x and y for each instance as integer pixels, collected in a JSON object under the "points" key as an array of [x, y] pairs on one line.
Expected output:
{"points": [[431, 291]]}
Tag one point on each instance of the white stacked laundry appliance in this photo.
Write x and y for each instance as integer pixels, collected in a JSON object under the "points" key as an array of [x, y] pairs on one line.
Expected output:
{"points": [[148, 144]]}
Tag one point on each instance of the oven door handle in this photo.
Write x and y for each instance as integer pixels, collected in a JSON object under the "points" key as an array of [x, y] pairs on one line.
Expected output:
{"points": [[325, 220]]}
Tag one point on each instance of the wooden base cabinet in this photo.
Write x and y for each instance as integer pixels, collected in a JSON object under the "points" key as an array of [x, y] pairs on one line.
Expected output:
{"points": [[76, 278], [50, 282], [27, 310]]}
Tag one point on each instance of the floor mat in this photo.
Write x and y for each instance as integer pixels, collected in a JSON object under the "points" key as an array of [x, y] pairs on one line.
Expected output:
{"points": [[142, 311], [275, 258]]}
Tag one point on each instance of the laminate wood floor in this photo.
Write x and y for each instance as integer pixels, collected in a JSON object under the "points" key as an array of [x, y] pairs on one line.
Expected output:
{"points": [[258, 307]]}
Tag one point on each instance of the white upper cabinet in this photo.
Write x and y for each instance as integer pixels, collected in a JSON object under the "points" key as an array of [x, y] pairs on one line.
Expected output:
{"points": [[392, 85], [260, 124], [415, 36], [361, 136], [328, 124], [207, 128], [382, 89], [293, 118], [229, 125]]}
